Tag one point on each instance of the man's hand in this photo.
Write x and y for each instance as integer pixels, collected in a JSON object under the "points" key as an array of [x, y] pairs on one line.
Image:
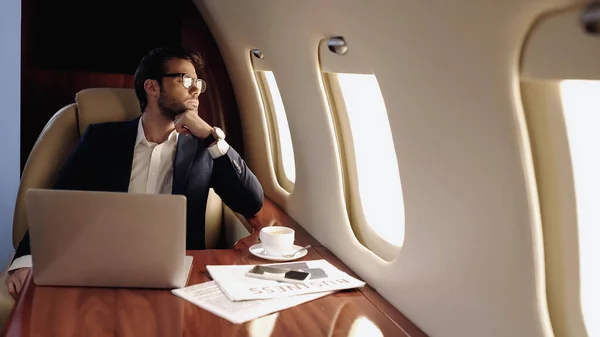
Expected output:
{"points": [[16, 281], [189, 122]]}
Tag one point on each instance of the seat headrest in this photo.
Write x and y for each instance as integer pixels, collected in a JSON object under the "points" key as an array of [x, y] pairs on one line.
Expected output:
{"points": [[99, 105]]}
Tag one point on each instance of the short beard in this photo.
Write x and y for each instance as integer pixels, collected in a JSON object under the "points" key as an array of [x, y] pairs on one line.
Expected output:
{"points": [[169, 109]]}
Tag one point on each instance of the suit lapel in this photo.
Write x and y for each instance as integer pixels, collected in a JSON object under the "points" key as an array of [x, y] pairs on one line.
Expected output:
{"points": [[184, 157], [124, 144]]}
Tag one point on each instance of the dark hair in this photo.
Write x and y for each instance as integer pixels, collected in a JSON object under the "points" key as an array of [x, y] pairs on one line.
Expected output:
{"points": [[152, 67]]}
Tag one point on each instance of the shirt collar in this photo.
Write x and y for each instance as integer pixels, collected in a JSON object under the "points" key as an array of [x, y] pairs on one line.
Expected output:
{"points": [[141, 136]]}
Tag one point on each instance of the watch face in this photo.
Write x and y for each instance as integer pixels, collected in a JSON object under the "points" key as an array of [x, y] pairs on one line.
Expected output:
{"points": [[220, 134]]}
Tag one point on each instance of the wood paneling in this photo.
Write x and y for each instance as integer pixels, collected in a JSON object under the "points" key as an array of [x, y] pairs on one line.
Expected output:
{"points": [[70, 45], [81, 312], [219, 98]]}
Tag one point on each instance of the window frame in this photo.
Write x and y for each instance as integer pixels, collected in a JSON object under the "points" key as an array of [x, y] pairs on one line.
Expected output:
{"points": [[274, 132], [363, 231]]}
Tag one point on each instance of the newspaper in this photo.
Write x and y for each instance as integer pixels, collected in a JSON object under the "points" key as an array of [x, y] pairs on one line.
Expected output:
{"points": [[209, 297], [238, 287]]}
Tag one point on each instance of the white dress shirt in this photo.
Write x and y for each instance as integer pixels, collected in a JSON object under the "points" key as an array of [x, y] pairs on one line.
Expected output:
{"points": [[152, 167], [151, 170]]}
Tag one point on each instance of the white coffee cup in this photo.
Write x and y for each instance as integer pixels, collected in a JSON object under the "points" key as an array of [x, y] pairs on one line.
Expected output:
{"points": [[277, 240]]}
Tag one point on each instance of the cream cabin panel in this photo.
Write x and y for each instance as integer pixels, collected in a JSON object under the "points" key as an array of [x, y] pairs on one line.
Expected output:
{"points": [[472, 262]]}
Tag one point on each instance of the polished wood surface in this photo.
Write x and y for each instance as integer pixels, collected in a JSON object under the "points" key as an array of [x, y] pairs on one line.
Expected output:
{"points": [[82, 312], [272, 215], [386, 308]]}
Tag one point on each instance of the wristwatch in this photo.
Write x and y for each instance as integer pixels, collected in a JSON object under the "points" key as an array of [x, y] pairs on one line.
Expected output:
{"points": [[216, 135]]}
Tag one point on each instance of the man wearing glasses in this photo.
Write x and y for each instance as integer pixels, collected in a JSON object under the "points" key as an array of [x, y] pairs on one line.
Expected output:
{"points": [[168, 149]]}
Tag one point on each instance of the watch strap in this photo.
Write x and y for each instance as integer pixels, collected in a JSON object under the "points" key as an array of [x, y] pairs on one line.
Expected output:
{"points": [[210, 139]]}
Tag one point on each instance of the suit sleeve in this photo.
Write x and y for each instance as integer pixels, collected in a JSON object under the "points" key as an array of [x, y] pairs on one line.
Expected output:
{"points": [[237, 186], [71, 177]]}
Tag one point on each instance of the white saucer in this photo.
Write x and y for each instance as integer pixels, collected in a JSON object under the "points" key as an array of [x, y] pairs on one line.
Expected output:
{"points": [[258, 250]]}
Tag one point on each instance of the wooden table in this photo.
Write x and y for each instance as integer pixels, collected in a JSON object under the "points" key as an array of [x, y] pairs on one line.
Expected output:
{"points": [[105, 312]]}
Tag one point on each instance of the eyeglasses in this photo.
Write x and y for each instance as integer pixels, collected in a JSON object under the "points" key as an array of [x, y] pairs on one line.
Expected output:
{"points": [[188, 80]]}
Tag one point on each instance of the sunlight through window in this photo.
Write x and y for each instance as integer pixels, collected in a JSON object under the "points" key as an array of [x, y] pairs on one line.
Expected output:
{"points": [[281, 137], [377, 172], [581, 105]]}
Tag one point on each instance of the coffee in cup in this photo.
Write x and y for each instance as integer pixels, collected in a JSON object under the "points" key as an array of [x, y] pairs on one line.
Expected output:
{"points": [[277, 240]]}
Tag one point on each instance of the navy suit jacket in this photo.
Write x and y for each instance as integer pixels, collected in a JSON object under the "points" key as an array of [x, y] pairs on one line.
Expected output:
{"points": [[103, 159]]}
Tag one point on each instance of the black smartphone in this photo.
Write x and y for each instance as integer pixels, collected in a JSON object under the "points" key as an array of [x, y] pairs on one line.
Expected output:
{"points": [[278, 274]]}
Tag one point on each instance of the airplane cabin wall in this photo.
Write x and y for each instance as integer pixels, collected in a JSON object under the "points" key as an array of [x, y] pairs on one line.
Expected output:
{"points": [[560, 85], [472, 262]]}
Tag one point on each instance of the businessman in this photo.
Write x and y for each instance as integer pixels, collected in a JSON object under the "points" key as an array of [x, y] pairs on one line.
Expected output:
{"points": [[168, 149]]}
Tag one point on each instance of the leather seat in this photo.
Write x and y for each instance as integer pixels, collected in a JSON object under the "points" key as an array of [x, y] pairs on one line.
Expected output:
{"points": [[55, 143]]}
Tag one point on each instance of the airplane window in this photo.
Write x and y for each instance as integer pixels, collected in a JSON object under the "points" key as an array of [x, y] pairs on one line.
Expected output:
{"points": [[370, 158], [281, 139], [581, 107]]}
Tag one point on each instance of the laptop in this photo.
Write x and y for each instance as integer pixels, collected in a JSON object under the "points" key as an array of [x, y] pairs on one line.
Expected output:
{"points": [[107, 239]]}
